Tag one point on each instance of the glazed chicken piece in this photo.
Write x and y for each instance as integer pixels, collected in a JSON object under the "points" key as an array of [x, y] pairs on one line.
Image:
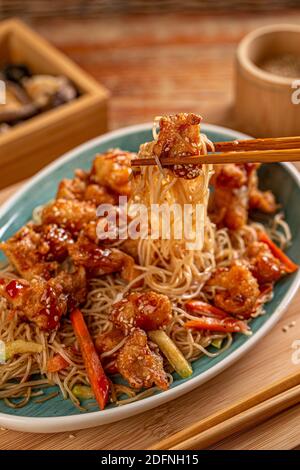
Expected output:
{"points": [[263, 264], [100, 260], [73, 284], [263, 201], [54, 242], [38, 300], [113, 170], [44, 302], [104, 343], [37, 250], [229, 205], [235, 192], [140, 366], [238, 289], [71, 189], [107, 229], [71, 215], [147, 310], [230, 176], [179, 136], [80, 190], [99, 195], [130, 246], [107, 341]]}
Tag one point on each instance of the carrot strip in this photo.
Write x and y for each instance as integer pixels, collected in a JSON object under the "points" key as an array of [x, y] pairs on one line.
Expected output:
{"points": [[197, 306], [98, 380], [56, 363], [290, 266], [225, 325]]}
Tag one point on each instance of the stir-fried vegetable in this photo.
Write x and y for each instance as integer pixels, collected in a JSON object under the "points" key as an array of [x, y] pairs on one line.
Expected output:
{"points": [[290, 266], [83, 392], [172, 353], [218, 321], [198, 306], [56, 363], [226, 325], [98, 380], [20, 346], [217, 343]]}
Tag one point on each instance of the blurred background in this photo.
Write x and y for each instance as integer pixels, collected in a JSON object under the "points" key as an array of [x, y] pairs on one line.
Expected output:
{"points": [[154, 56]]}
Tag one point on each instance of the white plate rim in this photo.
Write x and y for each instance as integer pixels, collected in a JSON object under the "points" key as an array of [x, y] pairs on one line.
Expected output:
{"points": [[97, 418]]}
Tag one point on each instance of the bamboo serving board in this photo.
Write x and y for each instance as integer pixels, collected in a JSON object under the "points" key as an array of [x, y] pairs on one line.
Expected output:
{"points": [[270, 360]]}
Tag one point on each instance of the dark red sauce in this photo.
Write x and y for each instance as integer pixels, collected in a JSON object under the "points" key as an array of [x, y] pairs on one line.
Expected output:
{"points": [[14, 288]]}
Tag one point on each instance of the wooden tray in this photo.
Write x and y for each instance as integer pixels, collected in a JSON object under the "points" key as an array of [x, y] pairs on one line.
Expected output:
{"points": [[31, 145]]}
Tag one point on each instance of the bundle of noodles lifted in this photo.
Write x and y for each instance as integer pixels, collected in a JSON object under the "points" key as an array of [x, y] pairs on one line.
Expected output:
{"points": [[114, 319]]}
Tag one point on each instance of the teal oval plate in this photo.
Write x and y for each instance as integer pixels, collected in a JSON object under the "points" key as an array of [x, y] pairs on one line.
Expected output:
{"points": [[58, 415]]}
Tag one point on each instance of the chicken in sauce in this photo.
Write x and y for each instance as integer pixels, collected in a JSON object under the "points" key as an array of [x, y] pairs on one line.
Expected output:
{"points": [[141, 367]]}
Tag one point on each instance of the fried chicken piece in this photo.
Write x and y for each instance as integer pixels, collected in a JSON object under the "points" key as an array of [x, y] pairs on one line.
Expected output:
{"points": [[179, 136], [263, 201], [238, 289], [107, 341], [235, 192], [109, 228], [54, 242], [230, 175], [79, 189], [130, 246], [36, 250], [71, 215], [229, 207], [229, 204], [45, 302], [263, 264], [99, 195], [100, 260], [141, 367], [104, 343], [147, 310], [113, 170], [71, 189], [73, 284], [42, 302]]}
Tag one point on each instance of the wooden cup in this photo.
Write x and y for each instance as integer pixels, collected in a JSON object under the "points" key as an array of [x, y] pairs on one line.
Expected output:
{"points": [[267, 104]]}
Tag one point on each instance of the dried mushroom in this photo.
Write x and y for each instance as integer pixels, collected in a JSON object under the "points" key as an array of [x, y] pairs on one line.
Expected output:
{"points": [[18, 106], [16, 72], [28, 94], [47, 91]]}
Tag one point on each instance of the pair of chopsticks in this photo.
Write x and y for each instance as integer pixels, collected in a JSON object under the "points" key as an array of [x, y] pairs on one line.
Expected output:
{"points": [[242, 415], [281, 149]]}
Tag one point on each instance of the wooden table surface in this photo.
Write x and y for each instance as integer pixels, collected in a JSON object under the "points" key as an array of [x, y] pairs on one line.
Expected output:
{"points": [[155, 65]]}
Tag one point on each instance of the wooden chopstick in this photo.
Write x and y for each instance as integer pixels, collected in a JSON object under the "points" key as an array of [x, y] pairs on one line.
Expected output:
{"points": [[242, 421], [243, 414], [281, 149], [252, 156], [258, 144]]}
